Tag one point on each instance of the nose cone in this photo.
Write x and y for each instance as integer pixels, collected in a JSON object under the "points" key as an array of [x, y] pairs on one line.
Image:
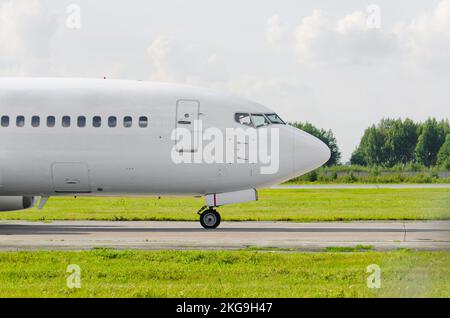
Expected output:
{"points": [[310, 152]]}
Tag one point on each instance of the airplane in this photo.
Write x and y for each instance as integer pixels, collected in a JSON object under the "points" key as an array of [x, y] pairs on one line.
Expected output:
{"points": [[96, 137]]}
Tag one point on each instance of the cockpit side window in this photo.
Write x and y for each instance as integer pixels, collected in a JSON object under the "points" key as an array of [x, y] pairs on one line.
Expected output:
{"points": [[243, 119], [259, 120], [275, 119]]}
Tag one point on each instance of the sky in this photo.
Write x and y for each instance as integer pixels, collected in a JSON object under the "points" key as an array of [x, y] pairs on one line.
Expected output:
{"points": [[341, 65]]}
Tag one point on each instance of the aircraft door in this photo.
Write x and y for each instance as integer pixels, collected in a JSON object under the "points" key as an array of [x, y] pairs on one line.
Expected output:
{"points": [[71, 178], [188, 115]]}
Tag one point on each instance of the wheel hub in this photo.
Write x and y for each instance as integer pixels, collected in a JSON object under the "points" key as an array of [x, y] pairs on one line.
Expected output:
{"points": [[210, 219]]}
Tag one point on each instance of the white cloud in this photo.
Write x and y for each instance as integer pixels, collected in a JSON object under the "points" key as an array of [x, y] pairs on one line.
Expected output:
{"points": [[423, 41], [427, 37], [159, 50], [345, 41], [276, 31], [311, 37], [174, 61], [26, 31], [352, 23], [212, 60], [25, 28]]}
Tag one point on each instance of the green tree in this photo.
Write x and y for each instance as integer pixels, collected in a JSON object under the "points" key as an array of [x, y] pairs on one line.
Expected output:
{"points": [[358, 158], [400, 143], [431, 139], [395, 141], [326, 136], [374, 146], [443, 158], [371, 150]]}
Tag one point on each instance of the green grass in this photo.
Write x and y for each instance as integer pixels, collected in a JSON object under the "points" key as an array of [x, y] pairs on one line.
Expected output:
{"points": [[348, 249], [274, 205], [108, 273]]}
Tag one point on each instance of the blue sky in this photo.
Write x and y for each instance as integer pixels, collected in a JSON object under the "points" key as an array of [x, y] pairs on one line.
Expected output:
{"points": [[316, 61]]}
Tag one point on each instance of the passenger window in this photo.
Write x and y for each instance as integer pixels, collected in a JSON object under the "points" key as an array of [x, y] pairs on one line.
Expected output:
{"points": [[143, 122], [97, 122], [112, 121], [81, 121], [275, 119], [243, 119], [35, 121], [66, 121], [5, 121], [127, 122], [259, 120], [51, 121], [20, 121]]}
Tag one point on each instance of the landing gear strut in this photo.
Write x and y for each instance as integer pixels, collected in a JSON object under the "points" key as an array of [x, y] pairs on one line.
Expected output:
{"points": [[209, 218]]}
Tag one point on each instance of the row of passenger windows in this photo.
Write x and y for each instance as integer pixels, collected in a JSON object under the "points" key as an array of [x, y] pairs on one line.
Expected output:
{"points": [[81, 121]]}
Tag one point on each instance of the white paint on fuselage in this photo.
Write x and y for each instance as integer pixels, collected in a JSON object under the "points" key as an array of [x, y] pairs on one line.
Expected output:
{"points": [[129, 161]]}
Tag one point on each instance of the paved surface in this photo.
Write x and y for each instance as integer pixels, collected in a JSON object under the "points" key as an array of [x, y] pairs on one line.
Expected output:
{"points": [[364, 186], [80, 235]]}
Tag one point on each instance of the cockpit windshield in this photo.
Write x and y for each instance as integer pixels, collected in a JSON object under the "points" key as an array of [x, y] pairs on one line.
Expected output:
{"points": [[258, 120], [243, 119], [275, 119]]}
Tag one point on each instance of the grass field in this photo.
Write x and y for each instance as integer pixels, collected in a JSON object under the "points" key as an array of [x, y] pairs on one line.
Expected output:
{"points": [[274, 205], [108, 273]]}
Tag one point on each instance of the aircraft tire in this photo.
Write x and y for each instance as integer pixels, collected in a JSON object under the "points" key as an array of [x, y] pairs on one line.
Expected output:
{"points": [[210, 219]]}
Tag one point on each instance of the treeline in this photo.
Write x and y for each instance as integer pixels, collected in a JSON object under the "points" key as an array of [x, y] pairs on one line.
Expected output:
{"points": [[393, 151], [393, 143], [401, 142]]}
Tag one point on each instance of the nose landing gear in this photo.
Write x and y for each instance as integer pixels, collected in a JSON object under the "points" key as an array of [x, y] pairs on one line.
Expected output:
{"points": [[209, 218]]}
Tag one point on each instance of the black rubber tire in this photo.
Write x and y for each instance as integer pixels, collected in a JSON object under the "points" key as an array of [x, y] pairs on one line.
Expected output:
{"points": [[210, 219]]}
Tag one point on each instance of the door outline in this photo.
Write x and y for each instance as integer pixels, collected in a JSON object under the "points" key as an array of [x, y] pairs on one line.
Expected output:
{"points": [[70, 179], [181, 123]]}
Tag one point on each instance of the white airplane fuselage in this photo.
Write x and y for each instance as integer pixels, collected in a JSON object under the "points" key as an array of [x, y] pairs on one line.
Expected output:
{"points": [[38, 159]]}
